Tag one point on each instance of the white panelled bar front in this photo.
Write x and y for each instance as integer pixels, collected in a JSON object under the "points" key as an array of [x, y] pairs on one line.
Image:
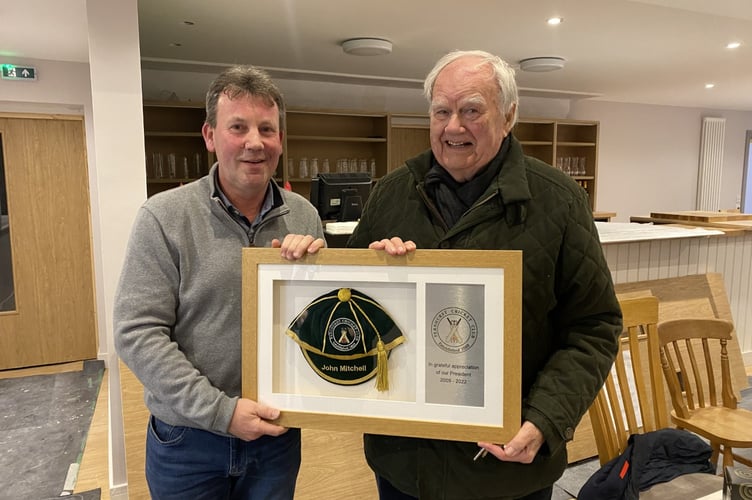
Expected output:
{"points": [[640, 252]]}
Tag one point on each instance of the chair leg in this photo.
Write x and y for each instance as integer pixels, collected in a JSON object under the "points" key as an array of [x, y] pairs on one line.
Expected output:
{"points": [[716, 451], [728, 457]]}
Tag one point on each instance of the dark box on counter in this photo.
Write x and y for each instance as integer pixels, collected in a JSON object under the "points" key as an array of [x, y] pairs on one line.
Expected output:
{"points": [[737, 483]]}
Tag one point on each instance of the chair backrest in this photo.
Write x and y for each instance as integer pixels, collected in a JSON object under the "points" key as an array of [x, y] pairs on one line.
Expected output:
{"points": [[632, 399], [688, 350]]}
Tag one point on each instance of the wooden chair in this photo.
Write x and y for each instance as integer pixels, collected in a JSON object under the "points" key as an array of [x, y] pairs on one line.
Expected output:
{"points": [[692, 350], [633, 400]]}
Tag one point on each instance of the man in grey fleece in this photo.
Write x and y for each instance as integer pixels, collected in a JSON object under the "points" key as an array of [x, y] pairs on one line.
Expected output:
{"points": [[178, 304]]}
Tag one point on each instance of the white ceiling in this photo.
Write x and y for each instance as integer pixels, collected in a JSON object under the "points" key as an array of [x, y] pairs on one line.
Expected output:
{"points": [[643, 51]]}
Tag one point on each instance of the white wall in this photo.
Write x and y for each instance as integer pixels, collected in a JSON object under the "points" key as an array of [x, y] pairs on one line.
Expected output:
{"points": [[63, 88], [107, 93], [191, 87], [114, 59], [648, 155]]}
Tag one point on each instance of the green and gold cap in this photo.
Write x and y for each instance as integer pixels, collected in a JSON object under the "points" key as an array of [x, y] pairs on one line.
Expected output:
{"points": [[346, 337]]}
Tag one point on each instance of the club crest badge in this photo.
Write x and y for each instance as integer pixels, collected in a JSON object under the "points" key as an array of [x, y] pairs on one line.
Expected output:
{"points": [[454, 330]]}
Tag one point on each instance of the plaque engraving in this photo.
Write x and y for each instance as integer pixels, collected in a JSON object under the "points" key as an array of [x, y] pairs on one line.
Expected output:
{"points": [[454, 344]]}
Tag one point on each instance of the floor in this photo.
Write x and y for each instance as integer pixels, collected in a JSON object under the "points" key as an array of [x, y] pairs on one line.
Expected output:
{"points": [[94, 472]]}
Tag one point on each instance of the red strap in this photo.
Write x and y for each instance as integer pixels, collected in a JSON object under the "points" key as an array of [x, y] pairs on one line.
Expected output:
{"points": [[624, 469]]}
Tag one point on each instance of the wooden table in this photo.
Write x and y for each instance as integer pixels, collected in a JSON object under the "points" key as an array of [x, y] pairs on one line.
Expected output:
{"points": [[603, 216], [701, 216], [729, 222]]}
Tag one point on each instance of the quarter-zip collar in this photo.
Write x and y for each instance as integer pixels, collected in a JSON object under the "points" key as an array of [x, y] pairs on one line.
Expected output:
{"points": [[272, 207]]}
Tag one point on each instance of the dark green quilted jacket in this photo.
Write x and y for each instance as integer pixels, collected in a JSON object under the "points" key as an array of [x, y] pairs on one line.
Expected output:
{"points": [[570, 322]]}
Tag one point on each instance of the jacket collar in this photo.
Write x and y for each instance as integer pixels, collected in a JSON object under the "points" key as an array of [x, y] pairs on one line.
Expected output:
{"points": [[511, 183]]}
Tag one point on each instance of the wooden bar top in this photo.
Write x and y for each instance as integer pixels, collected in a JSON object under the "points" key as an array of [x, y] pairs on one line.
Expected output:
{"points": [[728, 222], [702, 216]]}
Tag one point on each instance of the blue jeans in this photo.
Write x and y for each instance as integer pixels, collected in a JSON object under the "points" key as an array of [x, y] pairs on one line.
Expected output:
{"points": [[186, 463]]}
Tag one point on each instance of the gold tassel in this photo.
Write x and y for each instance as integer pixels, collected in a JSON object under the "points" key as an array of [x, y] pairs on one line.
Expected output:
{"points": [[382, 369]]}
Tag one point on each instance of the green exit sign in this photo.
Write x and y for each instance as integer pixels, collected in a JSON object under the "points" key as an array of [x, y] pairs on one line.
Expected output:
{"points": [[13, 72]]}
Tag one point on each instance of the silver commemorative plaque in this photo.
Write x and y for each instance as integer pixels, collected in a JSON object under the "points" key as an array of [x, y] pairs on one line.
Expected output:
{"points": [[454, 344]]}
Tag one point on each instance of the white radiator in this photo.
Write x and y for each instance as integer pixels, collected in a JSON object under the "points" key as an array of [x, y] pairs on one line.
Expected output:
{"points": [[711, 164]]}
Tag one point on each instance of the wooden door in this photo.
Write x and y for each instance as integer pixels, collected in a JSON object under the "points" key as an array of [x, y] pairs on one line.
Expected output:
{"points": [[54, 319]]}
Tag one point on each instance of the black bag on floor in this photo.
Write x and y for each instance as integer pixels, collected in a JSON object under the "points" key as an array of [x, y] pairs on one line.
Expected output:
{"points": [[650, 458]]}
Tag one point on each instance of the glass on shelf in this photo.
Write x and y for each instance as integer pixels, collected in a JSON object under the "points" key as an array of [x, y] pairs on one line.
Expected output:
{"points": [[172, 165], [583, 170], [197, 170], [158, 165], [363, 165], [290, 168], [342, 166], [186, 170], [325, 166], [314, 167], [373, 168], [303, 168]]}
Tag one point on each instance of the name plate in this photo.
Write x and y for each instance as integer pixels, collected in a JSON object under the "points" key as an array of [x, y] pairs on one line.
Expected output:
{"points": [[455, 344]]}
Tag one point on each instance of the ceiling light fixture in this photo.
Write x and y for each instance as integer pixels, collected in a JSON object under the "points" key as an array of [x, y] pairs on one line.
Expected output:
{"points": [[709, 85], [367, 46], [541, 64], [733, 45], [553, 21]]}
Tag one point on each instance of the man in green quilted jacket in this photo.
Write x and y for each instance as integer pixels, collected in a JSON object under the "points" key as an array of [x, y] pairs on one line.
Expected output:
{"points": [[475, 189]]}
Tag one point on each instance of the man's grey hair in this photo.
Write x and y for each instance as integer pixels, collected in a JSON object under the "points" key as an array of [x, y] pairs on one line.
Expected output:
{"points": [[503, 73], [239, 81]]}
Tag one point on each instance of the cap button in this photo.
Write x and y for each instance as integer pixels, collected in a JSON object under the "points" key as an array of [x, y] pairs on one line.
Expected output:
{"points": [[343, 295]]}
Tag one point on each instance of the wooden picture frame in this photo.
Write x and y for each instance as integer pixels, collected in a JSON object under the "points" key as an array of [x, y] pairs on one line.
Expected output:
{"points": [[477, 397]]}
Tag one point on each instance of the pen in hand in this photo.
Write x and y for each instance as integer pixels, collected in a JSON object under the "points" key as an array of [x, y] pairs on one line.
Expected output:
{"points": [[482, 453]]}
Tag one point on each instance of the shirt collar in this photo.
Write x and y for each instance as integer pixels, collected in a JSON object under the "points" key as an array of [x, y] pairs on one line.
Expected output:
{"points": [[267, 205]]}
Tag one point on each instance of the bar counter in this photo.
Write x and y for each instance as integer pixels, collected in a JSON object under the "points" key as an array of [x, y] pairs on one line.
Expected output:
{"points": [[671, 249]]}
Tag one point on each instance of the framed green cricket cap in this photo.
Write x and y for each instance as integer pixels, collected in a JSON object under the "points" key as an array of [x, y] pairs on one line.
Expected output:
{"points": [[346, 337]]}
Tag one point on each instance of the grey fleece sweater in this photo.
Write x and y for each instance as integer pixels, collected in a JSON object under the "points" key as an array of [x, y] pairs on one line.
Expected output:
{"points": [[178, 304]]}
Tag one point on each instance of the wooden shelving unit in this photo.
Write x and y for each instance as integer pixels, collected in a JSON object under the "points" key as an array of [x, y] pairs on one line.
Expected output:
{"points": [[175, 150], [387, 140], [552, 140], [333, 136]]}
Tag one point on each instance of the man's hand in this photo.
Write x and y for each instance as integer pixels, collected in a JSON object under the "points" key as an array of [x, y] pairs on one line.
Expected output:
{"points": [[249, 421], [296, 246], [393, 246], [522, 448]]}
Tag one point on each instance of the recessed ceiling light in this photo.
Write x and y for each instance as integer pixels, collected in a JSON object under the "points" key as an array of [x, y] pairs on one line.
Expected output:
{"points": [[553, 21], [176, 44], [733, 45], [188, 23], [709, 85]]}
